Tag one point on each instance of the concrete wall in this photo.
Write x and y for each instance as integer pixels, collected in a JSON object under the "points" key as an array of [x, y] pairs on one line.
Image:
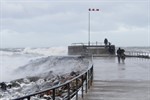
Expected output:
{"points": [[76, 50], [95, 50]]}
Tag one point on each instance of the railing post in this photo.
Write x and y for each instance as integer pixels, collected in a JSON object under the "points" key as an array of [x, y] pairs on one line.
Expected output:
{"points": [[86, 82], [77, 89], [92, 75], [88, 79], [68, 86], [82, 85], [53, 94], [28, 98]]}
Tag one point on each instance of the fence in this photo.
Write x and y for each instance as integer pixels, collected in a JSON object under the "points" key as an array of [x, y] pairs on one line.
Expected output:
{"points": [[86, 44], [137, 54], [81, 83]]}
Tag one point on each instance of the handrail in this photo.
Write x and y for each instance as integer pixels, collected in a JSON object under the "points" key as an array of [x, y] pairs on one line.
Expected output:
{"points": [[137, 54], [92, 43], [86, 77]]}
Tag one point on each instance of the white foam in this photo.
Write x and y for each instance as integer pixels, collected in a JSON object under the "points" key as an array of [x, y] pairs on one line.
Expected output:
{"points": [[47, 51], [11, 59]]}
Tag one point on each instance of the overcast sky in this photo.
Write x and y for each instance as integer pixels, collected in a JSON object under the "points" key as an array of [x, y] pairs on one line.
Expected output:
{"points": [[47, 23]]}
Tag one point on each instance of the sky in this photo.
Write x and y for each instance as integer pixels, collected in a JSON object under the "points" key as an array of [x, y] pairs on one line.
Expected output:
{"points": [[49, 23]]}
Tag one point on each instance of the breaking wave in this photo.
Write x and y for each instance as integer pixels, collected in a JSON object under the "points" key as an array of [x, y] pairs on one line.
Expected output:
{"points": [[42, 73], [33, 51], [56, 64], [13, 58]]}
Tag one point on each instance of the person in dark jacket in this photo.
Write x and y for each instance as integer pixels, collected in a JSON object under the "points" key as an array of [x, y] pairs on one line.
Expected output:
{"points": [[105, 42], [121, 55]]}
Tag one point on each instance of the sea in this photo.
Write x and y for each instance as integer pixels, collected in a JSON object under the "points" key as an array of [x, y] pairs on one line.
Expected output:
{"points": [[11, 59]]}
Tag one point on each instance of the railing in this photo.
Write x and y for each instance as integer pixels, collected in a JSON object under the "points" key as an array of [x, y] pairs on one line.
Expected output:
{"points": [[71, 87], [91, 43], [137, 54]]}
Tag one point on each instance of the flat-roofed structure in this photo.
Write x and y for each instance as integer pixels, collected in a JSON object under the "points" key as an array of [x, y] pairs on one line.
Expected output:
{"points": [[94, 49]]}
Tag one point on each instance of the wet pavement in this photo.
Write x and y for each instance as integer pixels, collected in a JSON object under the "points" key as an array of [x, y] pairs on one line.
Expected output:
{"points": [[108, 68], [120, 81]]}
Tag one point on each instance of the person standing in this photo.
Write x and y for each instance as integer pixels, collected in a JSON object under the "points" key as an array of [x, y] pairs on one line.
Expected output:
{"points": [[119, 54], [122, 55], [105, 42]]}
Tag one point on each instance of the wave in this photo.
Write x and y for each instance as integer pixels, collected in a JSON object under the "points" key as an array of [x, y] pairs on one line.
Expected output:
{"points": [[12, 58], [33, 51], [46, 51], [39, 65], [53, 51], [42, 73], [56, 64]]}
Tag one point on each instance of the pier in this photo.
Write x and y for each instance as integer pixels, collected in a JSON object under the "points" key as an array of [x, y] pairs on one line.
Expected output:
{"points": [[113, 81]]}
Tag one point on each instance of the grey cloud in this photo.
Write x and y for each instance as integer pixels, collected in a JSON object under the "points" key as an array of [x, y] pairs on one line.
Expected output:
{"points": [[67, 22]]}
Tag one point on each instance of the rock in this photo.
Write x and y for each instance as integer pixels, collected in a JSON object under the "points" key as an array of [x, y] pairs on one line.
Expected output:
{"points": [[40, 81], [9, 85], [45, 85], [64, 94], [3, 86], [58, 98], [33, 78], [47, 97], [15, 84], [1, 95], [19, 80], [26, 81], [73, 73], [56, 82]]}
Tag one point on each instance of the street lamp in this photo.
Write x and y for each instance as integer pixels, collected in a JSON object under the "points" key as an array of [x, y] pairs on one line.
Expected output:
{"points": [[89, 29], [89, 23]]}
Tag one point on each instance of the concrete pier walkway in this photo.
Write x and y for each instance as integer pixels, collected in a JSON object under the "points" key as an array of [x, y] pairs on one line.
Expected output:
{"points": [[113, 81]]}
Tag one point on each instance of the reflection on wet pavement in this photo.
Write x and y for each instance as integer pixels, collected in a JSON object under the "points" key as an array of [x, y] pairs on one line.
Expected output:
{"points": [[132, 69], [120, 81]]}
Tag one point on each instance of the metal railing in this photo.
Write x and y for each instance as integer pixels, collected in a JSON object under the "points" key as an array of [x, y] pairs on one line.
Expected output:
{"points": [[81, 83], [91, 43], [137, 54]]}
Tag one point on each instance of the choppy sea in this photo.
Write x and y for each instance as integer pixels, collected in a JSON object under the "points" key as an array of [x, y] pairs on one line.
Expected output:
{"points": [[16, 63], [14, 58]]}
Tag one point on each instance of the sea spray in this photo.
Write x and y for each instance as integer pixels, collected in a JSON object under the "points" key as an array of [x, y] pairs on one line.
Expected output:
{"points": [[44, 72]]}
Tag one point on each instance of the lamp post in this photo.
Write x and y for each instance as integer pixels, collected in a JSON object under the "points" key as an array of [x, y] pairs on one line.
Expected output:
{"points": [[89, 27]]}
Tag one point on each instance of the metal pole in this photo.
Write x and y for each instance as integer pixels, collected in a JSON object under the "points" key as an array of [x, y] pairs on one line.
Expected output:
{"points": [[53, 94], [92, 75], [86, 82], [82, 85], [28, 98], [77, 89], [89, 30], [68, 86]]}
